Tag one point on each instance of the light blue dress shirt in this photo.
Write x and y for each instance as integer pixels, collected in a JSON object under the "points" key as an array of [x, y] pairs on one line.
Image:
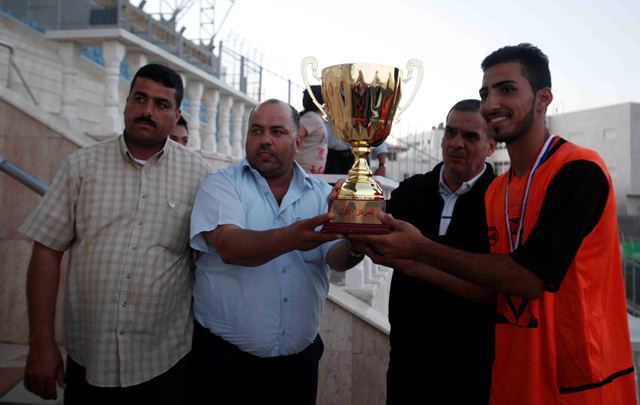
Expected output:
{"points": [[268, 310]]}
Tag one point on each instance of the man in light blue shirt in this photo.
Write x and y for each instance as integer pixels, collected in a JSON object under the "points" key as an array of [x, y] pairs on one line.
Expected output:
{"points": [[263, 276]]}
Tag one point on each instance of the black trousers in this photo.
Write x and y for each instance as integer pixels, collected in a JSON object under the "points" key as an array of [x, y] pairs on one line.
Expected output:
{"points": [[432, 378], [223, 374], [166, 389]]}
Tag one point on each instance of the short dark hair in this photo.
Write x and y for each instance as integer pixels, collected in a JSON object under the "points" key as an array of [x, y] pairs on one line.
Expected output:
{"points": [[183, 122], [535, 64], [161, 74], [468, 105], [307, 101], [295, 116]]}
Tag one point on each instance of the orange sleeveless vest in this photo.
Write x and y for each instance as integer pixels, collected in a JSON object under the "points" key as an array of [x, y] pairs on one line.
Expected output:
{"points": [[571, 346]]}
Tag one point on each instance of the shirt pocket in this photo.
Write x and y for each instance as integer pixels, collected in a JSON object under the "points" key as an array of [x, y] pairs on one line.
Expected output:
{"points": [[173, 231]]}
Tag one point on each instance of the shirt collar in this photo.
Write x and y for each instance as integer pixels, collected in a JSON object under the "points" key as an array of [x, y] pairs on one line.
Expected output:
{"points": [[158, 156], [464, 187], [300, 178]]}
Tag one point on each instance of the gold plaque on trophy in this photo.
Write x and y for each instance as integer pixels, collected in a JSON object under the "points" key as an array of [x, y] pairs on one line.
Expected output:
{"points": [[361, 102]]}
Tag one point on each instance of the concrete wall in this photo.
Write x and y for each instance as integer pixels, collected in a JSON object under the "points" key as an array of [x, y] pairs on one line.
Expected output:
{"points": [[608, 130], [37, 149], [354, 365]]}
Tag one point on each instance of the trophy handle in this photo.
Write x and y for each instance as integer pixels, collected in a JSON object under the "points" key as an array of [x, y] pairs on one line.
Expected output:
{"points": [[311, 60], [411, 65]]}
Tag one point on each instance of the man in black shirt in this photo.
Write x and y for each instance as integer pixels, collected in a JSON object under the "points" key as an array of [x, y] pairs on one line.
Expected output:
{"points": [[442, 328]]}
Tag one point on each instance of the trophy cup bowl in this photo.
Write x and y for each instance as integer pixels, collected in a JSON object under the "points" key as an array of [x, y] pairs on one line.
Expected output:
{"points": [[361, 100]]}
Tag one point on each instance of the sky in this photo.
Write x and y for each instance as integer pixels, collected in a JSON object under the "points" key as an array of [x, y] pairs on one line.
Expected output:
{"points": [[593, 45]]}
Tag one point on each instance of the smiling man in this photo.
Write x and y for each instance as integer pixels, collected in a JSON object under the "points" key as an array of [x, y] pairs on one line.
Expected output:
{"points": [[263, 276], [121, 209], [562, 333]]}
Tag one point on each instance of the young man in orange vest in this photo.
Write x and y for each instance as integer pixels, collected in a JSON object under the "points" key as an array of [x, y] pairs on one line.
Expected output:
{"points": [[561, 327]]}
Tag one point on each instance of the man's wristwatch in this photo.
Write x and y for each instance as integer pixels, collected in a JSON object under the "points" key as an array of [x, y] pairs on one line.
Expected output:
{"points": [[356, 255]]}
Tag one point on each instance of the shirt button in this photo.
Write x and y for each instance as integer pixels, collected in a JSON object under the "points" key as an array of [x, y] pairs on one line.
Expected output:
{"points": [[284, 271], [140, 223], [124, 304], [134, 248], [283, 332], [285, 299], [144, 196], [121, 332], [129, 275]]}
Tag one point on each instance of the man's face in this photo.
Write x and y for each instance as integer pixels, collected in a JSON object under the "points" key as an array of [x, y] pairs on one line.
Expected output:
{"points": [[150, 113], [507, 101], [179, 134], [465, 145], [272, 141]]}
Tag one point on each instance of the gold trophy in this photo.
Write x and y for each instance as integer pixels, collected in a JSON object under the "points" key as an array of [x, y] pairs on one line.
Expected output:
{"points": [[362, 100]]}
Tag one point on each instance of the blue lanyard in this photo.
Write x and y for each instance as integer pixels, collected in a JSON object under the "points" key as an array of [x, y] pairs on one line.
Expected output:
{"points": [[541, 156]]}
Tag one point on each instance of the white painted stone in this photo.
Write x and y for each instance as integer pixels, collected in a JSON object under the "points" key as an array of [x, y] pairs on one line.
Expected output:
{"points": [[113, 52], [224, 141], [69, 53], [195, 89], [209, 141], [136, 60], [237, 114]]}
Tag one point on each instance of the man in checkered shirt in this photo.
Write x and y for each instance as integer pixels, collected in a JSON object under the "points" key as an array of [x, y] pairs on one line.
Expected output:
{"points": [[121, 210]]}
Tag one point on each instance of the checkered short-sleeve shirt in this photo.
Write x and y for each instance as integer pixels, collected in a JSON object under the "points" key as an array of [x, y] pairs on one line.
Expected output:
{"points": [[126, 227]]}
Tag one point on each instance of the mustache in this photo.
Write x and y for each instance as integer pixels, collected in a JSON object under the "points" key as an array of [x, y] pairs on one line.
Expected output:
{"points": [[264, 148], [145, 120]]}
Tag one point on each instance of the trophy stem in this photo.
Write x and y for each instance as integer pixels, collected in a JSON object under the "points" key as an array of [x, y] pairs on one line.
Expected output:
{"points": [[360, 171], [360, 184]]}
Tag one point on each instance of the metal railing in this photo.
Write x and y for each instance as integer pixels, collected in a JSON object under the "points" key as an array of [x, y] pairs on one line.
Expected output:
{"points": [[22, 177], [631, 272]]}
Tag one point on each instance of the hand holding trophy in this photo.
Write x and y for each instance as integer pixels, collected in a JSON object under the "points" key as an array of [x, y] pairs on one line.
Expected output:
{"points": [[362, 100]]}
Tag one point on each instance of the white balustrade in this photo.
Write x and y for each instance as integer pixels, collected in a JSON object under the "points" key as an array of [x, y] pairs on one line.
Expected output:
{"points": [[195, 88], [112, 52], [209, 141], [237, 114]]}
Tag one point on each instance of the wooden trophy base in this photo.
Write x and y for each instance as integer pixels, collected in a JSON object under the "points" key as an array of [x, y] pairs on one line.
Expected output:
{"points": [[356, 217]]}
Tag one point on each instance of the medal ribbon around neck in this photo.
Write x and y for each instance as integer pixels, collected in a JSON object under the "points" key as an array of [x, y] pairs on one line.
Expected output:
{"points": [[541, 156]]}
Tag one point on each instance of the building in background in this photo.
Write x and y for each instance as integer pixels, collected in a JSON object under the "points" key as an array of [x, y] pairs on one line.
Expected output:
{"points": [[614, 132]]}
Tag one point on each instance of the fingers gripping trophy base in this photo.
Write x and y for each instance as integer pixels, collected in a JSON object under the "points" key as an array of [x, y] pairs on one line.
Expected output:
{"points": [[356, 217]]}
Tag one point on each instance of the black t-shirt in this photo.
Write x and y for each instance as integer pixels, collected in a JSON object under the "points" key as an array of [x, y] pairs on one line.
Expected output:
{"points": [[573, 205]]}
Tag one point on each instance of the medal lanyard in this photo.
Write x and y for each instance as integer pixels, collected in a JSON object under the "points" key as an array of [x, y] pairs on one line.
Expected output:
{"points": [[539, 160]]}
